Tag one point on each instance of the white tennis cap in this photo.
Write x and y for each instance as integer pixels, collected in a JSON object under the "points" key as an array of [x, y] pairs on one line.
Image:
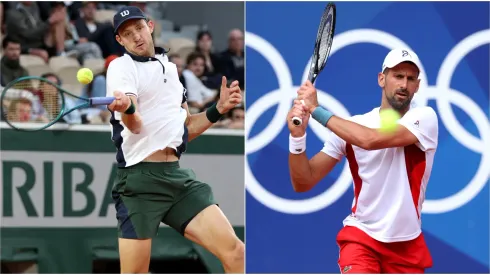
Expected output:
{"points": [[397, 56]]}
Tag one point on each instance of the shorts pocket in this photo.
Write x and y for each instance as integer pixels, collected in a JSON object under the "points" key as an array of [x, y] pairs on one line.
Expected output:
{"points": [[136, 183], [119, 184]]}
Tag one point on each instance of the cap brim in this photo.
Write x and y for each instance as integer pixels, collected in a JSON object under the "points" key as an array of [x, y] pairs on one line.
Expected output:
{"points": [[116, 28]]}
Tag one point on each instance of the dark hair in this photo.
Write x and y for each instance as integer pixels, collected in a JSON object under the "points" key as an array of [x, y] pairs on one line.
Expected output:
{"points": [[200, 35], [203, 33], [86, 3], [193, 56], [9, 39], [58, 79], [232, 111], [236, 109], [56, 4]]}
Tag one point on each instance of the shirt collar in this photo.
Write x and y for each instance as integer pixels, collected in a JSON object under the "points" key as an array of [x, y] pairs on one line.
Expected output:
{"points": [[158, 51]]}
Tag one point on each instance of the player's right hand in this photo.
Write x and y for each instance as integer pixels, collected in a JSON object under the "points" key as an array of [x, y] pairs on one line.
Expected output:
{"points": [[121, 102], [301, 111]]}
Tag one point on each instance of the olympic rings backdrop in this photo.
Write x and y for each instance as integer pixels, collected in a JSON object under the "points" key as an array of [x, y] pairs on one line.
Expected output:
{"points": [[295, 233]]}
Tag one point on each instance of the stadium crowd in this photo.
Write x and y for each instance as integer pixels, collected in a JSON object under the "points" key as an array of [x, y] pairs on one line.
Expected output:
{"points": [[55, 39]]}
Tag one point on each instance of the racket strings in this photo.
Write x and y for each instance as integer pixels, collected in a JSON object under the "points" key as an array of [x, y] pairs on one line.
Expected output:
{"points": [[326, 36], [29, 101]]}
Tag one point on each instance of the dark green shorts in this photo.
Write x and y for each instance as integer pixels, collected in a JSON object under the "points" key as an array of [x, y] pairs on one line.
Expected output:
{"points": [[149, 193]]}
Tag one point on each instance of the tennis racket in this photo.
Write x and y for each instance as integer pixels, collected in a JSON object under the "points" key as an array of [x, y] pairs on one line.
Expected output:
{"points": [[33, 99], [323, 44]]}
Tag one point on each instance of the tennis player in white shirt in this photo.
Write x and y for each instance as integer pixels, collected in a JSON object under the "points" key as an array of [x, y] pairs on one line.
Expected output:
{"points": [[382, 233], [151, 126]]}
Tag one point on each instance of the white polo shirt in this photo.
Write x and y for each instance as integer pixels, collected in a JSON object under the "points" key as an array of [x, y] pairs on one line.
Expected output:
{"points": [[390, 184], [155, 83]]}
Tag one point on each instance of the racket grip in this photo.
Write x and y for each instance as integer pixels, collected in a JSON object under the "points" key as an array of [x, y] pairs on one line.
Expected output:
{"points": [[101, 100], [297, 120]]}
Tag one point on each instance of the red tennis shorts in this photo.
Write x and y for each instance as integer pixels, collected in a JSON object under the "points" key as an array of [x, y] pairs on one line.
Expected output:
{"points": [[359, 253]]}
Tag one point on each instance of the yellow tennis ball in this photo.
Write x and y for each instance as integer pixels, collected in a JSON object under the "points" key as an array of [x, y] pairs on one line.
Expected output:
{"points": [[389, 120], [85, 76]]}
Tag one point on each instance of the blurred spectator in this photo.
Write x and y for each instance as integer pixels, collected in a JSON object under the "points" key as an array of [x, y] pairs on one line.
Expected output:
{"points": [[140, 4], [204, 45], [10, 63], [85, 49], [47, 29], [233, 58], [100, 33], [97, 88], [1, 20], [198, 95], [19, 110], [38, 37], [73, 9], [51, 101], [237, 119], [179, 63]]}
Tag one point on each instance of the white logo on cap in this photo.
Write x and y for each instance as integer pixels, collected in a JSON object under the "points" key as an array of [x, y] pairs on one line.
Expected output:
{"points": [[125, 13]]}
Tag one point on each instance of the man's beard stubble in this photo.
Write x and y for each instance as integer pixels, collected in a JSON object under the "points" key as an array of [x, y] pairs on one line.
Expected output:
{"points": [[398, 105]]}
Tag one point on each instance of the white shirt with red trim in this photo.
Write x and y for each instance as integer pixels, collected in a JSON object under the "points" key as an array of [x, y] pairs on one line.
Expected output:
{"points": [[389, 184]]}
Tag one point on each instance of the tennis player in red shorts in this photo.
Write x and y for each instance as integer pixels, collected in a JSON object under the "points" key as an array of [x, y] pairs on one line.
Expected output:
{"points": [[390, 172]]}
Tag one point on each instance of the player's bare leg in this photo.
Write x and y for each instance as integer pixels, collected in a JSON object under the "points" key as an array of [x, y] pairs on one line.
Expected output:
{"points": [[134, 255], [212, 230]]}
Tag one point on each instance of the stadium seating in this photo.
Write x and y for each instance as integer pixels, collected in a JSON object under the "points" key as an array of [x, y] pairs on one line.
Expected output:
{"points": [[66, 68], [177, 43], [103, 16], [178, 39], [96, 65], [34, 65]]}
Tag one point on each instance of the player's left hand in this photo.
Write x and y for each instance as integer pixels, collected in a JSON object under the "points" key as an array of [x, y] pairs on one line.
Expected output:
{"points": [[307, 93], [229, 97]]}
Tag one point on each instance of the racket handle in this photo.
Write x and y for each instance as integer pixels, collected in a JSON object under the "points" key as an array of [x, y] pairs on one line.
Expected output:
{"points": [[101, 100], [297, 120]]}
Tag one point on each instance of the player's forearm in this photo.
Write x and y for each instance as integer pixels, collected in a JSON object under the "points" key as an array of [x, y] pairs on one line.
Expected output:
{"points": [[300, 172], [197, 124], [133, 122], [353, 133]]}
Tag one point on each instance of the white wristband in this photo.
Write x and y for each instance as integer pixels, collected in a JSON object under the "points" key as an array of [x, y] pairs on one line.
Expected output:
{"points": [[297, 145]]}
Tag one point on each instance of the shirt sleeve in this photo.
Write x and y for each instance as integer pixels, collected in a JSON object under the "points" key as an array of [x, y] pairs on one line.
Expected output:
{"points": [[121, 77], [423, 123], [334, 146]]}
